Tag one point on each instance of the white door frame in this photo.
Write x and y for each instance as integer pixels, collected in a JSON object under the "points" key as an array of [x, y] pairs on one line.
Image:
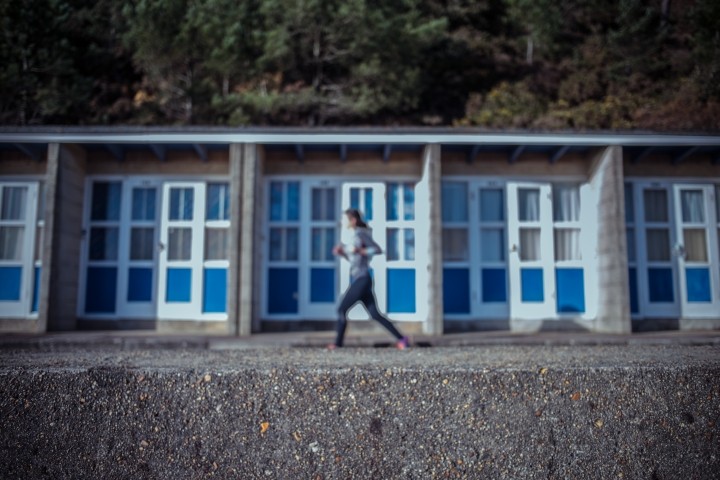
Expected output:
{"points": [[21, 307], [545, 309]]}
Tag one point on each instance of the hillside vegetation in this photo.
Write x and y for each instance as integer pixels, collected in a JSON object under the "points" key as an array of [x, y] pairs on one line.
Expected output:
{"points": [[530, 64]]}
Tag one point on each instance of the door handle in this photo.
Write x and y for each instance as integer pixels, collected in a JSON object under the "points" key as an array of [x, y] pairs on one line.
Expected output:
{"points": [[513, 248], [161, 246], [680, 251]]}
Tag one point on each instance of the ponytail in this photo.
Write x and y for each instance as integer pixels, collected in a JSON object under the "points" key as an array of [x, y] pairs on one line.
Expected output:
{"points": [[352, 212]]}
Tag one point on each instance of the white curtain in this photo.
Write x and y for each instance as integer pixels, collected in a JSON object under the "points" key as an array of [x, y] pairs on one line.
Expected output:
{"points": [[695, 245], [13, 203], [658, 244], [529, 204], [693, 206], [530, 244], [566, 203], [11, 243], [567, 244], [455, 244]]}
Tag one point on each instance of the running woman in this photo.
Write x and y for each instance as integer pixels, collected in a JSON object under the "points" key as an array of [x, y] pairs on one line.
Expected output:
{"points": [[359, 254]]}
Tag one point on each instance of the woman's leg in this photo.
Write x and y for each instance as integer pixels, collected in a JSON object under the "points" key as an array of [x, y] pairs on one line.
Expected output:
{"points": [[352, 295], [368, 299]]}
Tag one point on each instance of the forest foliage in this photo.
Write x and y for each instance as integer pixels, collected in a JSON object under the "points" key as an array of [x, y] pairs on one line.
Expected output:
{"points": [[527, 64]]}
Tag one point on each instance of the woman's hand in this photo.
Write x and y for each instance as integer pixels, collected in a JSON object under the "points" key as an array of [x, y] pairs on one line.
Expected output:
{"points": [[338, 249]]}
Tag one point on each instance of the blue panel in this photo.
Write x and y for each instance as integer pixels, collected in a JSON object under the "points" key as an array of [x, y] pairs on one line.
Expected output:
{"points": [[632, 280], [179, 282], [531, 285], [282, 290], [101, 290], [322, 285], [368, 214], [10, 283], [293, 198], [570, 284], [698, 284], [401, 290], [494, 285], [393, 200], [140, 285], [456, 290], [215, 290], [36, 290], [660, 284]]}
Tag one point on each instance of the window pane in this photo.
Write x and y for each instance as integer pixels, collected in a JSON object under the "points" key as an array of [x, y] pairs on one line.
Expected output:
{"points": [[330, 209], [103, 243], [292, 244], [39, 239], [492, 244], [393, 244], [393, 201], [693, 206], [105, 201], [566, 203], [355, 198], [658, 244], [455, 244], [329, 242], [179, 243], [529, 204], [454, 202], [216, 244], [630, 233], [217, 206], [567, 244], [409, 244], [655, 205], [14, 201], [629, 204], [293, 206], [276, 200], [142, 241], [143, 204], [695, 245], [181, 203], [317, 204], [11, 243], [492, 205], [368, 204], [276, 244], [41, 201], [316, 244], [409, 201], [530, 244]]}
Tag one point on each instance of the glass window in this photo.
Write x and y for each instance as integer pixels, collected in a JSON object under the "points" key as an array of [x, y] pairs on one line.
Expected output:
{"points": [[276, 244], [455, 244], [218, 201], [322, 241], [323, 204], [11, 243], [567, 244], [629, 204], [529, 204], [143, 204], [103, 243], [655, 205], [368, 204], [492, 205], [409, 201], [39, 239], [693, 206], [393, 244], [695, 241], [454, 202], [276, 200], [216, 244], [566, 203], [181, 203], [630, 233], [14, 203], [355, 198], [409, 244], [293, 206], [658, 244], [292, 244], [105, 201], [142, 242], [492, 244], [393, 201], [329, 243], [179, 243], [530, 244]]}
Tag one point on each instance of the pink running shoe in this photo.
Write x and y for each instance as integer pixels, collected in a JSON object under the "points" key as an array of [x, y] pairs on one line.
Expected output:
{"points": [[403, 343]]}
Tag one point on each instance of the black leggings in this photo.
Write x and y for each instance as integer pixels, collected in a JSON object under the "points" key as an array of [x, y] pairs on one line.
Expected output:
{"points": [[360, 290]]}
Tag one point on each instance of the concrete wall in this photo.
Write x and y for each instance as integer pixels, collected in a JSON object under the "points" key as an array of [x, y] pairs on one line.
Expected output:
{"points": [[429, 189], [63, 237], [606, 179]]}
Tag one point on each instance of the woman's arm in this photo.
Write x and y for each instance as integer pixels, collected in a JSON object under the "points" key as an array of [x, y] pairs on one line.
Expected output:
{"points": [[370, 247]]}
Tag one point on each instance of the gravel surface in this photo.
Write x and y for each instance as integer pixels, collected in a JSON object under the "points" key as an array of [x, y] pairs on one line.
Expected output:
{"points": [[485, 412]]}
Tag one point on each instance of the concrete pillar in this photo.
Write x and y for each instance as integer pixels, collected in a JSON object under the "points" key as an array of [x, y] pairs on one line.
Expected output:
{"points": [[606, 178], [430, 187], [59, 281], [251, 176], [233, 285]]}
